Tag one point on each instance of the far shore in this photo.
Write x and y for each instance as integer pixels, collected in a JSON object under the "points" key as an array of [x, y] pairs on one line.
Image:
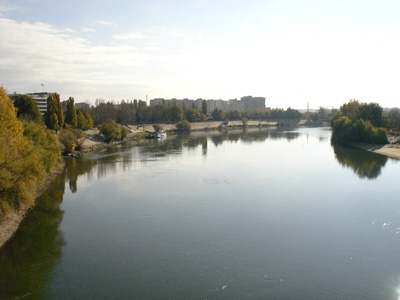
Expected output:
{"points": [[94, 142]]}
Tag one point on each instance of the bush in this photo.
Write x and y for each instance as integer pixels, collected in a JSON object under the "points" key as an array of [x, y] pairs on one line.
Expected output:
{"points": [[71, 139], [157, 127], [183, 125], [45, 142], [113, 131], [346, 130]]}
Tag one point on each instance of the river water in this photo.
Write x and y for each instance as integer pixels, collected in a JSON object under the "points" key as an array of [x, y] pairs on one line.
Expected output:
{"points": [[254, 214]]}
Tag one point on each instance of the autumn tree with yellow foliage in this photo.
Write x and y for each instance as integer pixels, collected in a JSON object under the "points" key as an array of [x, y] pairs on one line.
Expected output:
{"points": [[24, 160]]}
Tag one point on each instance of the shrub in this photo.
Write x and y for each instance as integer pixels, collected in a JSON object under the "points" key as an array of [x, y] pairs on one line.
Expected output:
{"points": [[183, 125], [71, 139], [346, 130], [112, 131], [157, 127]]}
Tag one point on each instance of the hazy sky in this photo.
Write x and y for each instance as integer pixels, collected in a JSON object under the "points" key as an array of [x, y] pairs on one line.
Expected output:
{"points": [[290, 52]]}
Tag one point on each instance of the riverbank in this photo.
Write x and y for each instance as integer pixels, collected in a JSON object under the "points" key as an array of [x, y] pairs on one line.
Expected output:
{"points": [[9, 224], [95, 141], [389, 150]]}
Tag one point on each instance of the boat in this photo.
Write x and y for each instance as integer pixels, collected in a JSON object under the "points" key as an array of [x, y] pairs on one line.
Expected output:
{"points": [[157, 135], [160, 134]]}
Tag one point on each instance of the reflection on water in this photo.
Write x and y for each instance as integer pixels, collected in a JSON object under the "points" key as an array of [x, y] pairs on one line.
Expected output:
{"points": [[365, 164], [27, 261], [228, 214]]}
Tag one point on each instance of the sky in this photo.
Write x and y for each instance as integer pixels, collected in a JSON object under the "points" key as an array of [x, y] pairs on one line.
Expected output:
{"points": [[291, 52]]}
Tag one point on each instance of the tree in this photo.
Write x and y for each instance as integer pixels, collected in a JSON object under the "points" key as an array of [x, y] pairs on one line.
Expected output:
{"points": [[54, 117], [371, 112], [157, 127], [27, 108], [113, 131], [322, 113], [354, 122], [292, 114], [45, 143], [183, 125], [70, 115], [72, 139], [89, 121], [194, 115], [104, 111], [218, 115], [393, 118], [59, 110], [127, 113], [204, 107], [175, 113], [20, 168]]}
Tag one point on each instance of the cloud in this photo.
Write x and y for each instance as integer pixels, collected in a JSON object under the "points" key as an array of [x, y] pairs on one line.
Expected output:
{"points": [[87, 29], [40, 52], [107, 23], [5, 7], [129, 36]]}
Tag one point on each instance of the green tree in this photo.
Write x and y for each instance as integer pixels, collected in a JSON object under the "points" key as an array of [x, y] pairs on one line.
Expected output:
{"points": [[89, 121], [112, 131], [70, 115], [104, 111], [183, 125], [157, 127], [322, 113], [195, 115], [175, 113], [218, 115], [204, 107], [27, 108], [54, 117], [59, 110], [371, 112], [393, 118]]}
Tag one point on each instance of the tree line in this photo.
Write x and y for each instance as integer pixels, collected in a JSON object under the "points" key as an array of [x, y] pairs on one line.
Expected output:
{"points": [[138, 112]]}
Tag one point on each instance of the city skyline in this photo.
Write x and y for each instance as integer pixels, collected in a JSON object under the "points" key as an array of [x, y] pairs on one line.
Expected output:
{"points": [[290, 52]]}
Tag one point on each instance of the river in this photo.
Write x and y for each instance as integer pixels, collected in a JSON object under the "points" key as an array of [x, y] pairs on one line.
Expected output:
{"points": [[253, 214]]}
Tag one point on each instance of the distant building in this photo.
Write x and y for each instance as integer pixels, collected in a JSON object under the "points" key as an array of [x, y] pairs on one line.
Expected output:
{"points": [[40, 98], [244, 104], [82, 105]]}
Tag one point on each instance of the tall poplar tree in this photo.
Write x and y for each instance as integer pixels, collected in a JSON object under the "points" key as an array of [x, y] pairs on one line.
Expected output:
{"points": [[70, 115], [54, 117]]}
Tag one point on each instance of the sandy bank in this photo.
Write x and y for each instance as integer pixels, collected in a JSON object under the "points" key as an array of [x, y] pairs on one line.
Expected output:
{"points": [[390, 150], [95, 140]]}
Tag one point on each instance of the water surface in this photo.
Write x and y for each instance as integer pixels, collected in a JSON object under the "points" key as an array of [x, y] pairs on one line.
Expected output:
{"points": [[255, 214]]}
